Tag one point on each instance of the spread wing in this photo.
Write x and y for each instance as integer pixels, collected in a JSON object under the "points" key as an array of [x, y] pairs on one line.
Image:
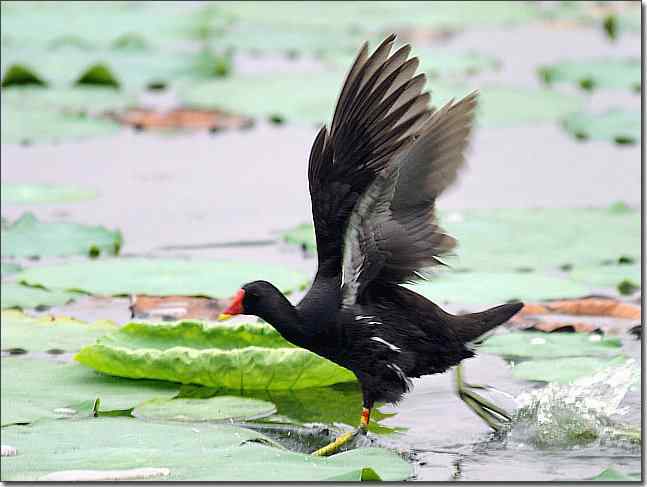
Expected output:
{"points": [[392, 234], [379, 108]]}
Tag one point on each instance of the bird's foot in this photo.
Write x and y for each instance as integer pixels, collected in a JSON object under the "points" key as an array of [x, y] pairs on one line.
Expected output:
{"points": [[340, 441], [495, 417]]}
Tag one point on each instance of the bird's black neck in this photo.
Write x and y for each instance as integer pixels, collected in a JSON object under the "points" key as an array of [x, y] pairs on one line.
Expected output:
{"points": [[282, 315]]}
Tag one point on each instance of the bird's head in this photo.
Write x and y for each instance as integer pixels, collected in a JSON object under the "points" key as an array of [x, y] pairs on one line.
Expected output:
{"points": [[251, 299]]}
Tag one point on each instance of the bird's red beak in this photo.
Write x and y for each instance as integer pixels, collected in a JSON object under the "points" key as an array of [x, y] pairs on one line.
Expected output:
{"points": [[235, 306]]}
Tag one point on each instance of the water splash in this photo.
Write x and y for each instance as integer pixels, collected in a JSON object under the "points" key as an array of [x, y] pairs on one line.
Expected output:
{"points": [[579, 413]]}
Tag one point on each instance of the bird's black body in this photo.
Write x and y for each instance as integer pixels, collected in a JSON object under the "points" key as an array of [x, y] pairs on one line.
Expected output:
{"points": [[374, 176], [393, 335]]}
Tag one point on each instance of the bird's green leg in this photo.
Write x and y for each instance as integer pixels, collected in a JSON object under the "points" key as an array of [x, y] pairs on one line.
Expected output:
{"points": [[340, 441], [493, 415]]}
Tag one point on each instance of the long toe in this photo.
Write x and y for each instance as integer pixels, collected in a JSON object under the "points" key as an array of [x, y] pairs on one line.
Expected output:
{"points": [[334, 447]]}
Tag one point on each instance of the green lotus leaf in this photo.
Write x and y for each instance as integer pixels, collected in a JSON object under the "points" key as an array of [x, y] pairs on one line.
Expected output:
{"points": [[19, 296], [190, 452], [593, 74], [235, 357], [563, 370], [29, 237], [159, 277], [39, 334], [219, 408], [551, 345], [617, 126], [43, 193], [35, 388]]}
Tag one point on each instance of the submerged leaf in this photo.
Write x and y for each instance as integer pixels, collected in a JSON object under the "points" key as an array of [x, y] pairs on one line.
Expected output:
{"points": [[235, 357], [28, 237], [161, 277]]}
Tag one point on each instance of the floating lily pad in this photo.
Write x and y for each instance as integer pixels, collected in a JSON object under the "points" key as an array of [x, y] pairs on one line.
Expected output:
{"points": [[52, 25], [24, 297], [29, 126], [80, 101], [43, 193], [236, 357], [215, 409], [563, 370], [617, 126], [359, 16], [9, 268], [496, 287], [297, 41], [34, 388], [551, 345], [28, 237], [307, 98], [108, 68], [40, 334], [510, 239], [310, 405], [593, 74], [613, 475], [436, 63], [607, 275], [160, 277], [191, 452]]}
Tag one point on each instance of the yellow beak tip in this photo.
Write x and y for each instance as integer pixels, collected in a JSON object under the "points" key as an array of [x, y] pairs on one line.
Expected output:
{"points": [[223, 316]]}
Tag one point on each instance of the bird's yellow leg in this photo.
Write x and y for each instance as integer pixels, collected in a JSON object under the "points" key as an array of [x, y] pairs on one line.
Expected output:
{"points": [[340, 441]]}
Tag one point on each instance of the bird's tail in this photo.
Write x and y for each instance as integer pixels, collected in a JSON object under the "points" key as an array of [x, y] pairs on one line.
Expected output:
{"points": [[471, 326]]}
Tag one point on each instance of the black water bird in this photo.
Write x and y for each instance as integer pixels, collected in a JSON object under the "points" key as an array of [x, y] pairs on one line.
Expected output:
{"points": [[374, 178]]}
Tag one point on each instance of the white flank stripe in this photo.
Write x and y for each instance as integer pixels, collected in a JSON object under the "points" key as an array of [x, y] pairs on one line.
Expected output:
{"points": [[390, 345], [360, 317]]}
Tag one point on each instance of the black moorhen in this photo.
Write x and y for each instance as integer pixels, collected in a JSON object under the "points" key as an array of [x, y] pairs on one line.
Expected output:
{"points": [[374, 177]]}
